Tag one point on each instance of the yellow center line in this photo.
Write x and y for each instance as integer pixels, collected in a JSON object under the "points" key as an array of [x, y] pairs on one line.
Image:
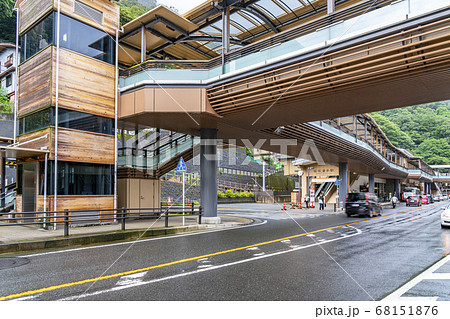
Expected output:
{"points": [[130, 272]]}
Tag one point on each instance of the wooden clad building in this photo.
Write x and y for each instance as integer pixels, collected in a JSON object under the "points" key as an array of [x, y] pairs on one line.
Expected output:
{"points": [[66, 103]]}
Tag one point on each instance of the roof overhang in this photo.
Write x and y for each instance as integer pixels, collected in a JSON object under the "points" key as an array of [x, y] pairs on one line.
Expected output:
{"points": [[20, 152]]}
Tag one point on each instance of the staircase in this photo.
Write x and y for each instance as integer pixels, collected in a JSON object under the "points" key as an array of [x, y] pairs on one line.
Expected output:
{"points": [[156, 158]]}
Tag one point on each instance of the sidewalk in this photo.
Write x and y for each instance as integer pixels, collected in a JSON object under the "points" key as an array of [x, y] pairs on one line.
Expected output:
{"points": [[25, 238]]}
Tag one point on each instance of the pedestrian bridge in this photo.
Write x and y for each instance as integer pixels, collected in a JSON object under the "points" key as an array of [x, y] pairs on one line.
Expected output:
{"points": [[364, 57]]}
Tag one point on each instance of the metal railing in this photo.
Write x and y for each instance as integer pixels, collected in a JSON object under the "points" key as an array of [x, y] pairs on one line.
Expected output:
{"points": [[69, 218], [235, 185], [294, 33]]}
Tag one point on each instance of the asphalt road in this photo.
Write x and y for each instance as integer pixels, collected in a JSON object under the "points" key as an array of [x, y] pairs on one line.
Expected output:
{"points": [[282, 256]]}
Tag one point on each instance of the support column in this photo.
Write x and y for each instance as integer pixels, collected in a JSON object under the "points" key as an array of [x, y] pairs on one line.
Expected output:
{"points": [[225, 35], [330, 6], [397, 187], [372, 183], [343, 182], [143, 44], [208, 175]]}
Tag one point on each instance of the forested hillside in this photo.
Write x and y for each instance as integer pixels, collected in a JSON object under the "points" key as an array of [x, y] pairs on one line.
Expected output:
{"points": [[424, 130]]}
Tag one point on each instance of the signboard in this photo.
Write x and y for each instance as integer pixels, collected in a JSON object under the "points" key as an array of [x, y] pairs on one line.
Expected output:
{"points": [[336, 182], [181, 167]]}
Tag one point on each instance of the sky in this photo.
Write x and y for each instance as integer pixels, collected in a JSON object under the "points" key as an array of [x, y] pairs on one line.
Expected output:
{"points": [[182, 5]]}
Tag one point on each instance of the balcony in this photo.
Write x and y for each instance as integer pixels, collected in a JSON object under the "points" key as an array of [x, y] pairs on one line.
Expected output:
{"points": [[8, 63]]}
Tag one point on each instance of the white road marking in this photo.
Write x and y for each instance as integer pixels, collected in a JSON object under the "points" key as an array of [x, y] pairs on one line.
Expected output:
{"points": [[27, 298], [397, 295], [437, 276], [139, 241], [311, 235], [203, 260], [117, 288], [253, 248], [286, 241], [131, 279]]}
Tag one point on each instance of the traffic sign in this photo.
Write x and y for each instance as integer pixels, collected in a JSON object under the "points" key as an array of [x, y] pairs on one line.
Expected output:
{"points": [[336, 182], [181, 167]]}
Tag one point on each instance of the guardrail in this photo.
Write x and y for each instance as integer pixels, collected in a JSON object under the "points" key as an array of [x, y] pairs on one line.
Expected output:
{"points": [[67, 217]]}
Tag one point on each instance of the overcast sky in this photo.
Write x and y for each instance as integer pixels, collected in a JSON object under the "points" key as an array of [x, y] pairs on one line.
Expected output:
{"points": [[182, 5]]}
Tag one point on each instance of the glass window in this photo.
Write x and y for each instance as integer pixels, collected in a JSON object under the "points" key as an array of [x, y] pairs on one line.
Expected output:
{"points": [[87, 40], [37, 38], [85, 122], [19, 179], [8, 80], [68, 119], [78, 178], [74, 35], [36, 121]]}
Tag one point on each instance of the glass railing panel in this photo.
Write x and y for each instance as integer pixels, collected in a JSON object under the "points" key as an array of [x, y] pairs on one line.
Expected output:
{"points": [[419, 7], [372, 20]]}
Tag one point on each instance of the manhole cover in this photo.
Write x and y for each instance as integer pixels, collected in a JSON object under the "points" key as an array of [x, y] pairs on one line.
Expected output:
{"points": [[6, 263]]}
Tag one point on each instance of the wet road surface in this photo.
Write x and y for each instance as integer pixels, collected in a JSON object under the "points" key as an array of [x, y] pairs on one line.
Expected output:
{"points": [[292, 255]]}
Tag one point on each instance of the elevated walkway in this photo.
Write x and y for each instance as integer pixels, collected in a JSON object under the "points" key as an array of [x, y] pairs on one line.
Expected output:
{"points": [[363, 59]]}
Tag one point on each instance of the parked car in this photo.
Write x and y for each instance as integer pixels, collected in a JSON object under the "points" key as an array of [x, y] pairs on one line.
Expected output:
{"points": [[413, 200], [445, 197], [445, 217], [436, 198], [424, 199], [365, 204]]}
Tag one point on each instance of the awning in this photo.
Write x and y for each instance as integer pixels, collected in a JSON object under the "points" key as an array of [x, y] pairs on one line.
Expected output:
{"points": [[20, 152]]}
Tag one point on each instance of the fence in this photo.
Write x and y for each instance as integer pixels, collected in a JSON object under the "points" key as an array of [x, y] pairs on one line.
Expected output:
{"points": [[75, 217]]}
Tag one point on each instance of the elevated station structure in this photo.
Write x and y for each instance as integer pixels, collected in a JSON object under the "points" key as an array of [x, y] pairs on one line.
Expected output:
{"points": [[233, 69]]}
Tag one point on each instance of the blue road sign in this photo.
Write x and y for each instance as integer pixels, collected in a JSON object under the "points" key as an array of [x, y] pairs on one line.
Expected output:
{"points": [[336, 182], [181, 167]]}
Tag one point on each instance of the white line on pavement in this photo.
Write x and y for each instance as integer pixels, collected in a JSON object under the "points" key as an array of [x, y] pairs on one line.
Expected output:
{"points": [[139, 241], [397, 295], [117, 288]]}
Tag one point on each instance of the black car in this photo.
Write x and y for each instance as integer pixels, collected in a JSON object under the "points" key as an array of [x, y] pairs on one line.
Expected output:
{"points": [[366, 204]]}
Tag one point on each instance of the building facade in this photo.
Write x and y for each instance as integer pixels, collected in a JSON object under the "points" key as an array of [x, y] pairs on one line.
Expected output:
{"points": [[8, 63], [67, 104]]}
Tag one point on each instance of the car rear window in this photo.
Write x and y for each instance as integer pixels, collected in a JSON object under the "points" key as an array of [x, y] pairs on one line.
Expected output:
{"points": [[354, 197]]}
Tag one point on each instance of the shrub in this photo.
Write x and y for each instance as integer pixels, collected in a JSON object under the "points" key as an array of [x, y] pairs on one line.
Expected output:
{"points": [[220, 194], [229, 193], [196, 202], [250, 194], [243, 194]]}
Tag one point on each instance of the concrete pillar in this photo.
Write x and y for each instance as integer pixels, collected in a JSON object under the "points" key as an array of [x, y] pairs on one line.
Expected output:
{"points": [[343, 182], [397, 187], [208, 175], [372, 183]]}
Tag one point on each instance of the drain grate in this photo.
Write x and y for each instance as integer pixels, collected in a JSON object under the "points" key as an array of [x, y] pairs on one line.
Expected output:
{"points": [[6, 262]]}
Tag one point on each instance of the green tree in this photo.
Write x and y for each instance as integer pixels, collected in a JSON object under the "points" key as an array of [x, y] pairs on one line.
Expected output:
{"points": [[393, 132], [422, 129], [7, 21], [131, 9], [6, 106]]}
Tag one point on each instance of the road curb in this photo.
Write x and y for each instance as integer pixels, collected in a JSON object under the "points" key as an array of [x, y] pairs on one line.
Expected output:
{"points": [[119, 235]]}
